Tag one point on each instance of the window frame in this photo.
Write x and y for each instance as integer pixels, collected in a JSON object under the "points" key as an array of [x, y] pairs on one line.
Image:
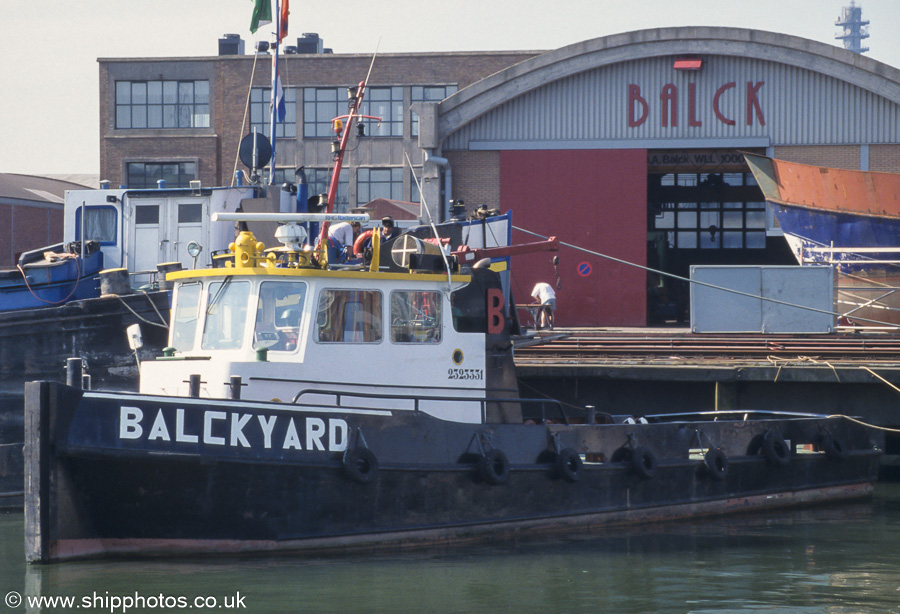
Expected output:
{"points": [[162, 104], [89, 208], [437, 298], [319, 325]]}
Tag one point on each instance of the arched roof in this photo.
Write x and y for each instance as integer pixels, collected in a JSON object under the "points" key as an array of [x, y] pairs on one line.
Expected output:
{"points": [[479, 98]]}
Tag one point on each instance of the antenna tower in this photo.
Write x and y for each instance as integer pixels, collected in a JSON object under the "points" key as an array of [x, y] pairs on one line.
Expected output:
{"points": [[855, 29]]}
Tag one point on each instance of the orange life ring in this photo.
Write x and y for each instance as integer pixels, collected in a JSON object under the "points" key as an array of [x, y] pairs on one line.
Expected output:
{"points": [[360, 242]]}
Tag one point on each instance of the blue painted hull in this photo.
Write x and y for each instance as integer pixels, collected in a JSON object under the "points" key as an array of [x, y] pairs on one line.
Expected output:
{"points": [[868, 280], [817, 228], [50, 284]]}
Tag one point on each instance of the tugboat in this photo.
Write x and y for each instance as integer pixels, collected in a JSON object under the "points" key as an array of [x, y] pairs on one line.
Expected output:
{"points": [[303, 405], [307, 407]]}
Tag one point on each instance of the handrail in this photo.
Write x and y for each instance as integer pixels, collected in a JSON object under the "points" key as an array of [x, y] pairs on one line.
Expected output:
{"points": [[483, 401]]}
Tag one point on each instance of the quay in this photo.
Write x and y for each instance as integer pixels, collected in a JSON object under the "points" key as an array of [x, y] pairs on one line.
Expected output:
{"points": [[642, 371]]}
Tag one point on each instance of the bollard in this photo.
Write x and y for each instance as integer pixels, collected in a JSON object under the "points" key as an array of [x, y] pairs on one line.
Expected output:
{"points": [[194, 385], [235, 385], [74, 372]]}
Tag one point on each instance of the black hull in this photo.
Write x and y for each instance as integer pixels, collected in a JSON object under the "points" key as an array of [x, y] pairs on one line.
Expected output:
{"points": [[405, 508], [89, 495], [35, 343]]}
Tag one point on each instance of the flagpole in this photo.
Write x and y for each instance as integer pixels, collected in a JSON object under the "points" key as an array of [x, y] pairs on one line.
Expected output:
{"points": [[274, 101]]}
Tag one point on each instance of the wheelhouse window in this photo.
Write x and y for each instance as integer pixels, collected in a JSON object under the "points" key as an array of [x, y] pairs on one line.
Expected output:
{"points": [[185, 316], [100, 224], [143, 175], [415, 317], [162, 104], [349, 316], [278, 315], [260, 112], [226, 315]]}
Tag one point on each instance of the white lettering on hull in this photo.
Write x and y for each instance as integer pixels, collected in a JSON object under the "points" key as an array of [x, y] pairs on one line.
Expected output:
{"points": [[238, 430]]}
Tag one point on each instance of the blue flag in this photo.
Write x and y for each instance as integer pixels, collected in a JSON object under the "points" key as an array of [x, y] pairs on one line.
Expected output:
{"points": [[280, 105]]}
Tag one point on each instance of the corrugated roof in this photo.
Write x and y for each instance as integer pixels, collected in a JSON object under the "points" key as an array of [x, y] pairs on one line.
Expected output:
{"points": [[22, 189], [398, 209]]}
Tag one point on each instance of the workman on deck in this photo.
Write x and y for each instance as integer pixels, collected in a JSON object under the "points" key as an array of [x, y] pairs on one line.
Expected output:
{"points": [[340, 240], [545, 297]]}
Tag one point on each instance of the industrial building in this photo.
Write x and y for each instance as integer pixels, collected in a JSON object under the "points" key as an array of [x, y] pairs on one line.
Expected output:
{"points": [[31, 213], [628, 145]]}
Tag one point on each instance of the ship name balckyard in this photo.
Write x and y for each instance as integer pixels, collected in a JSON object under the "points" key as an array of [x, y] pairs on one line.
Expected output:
{"points": [[236, 429]]}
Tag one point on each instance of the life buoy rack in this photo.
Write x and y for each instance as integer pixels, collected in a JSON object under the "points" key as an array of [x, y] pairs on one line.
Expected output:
{"points": [[775, 449], [716, 463], [568, 465], [360, 242], [493, 467], [360, 465]]}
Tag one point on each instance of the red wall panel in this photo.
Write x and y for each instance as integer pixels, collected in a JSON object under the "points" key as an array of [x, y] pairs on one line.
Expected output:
{"points": [[596, 199]]}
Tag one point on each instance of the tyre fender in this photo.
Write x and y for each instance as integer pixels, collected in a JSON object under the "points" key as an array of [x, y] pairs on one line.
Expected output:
{"points": [[360, 465], [493, 467], [568, 465]]}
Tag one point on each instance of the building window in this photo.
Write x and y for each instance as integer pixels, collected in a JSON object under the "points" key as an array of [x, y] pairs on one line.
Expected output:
{"points": [[415, 317], [349, 316], [260, 113], [162, 104], [322, 104], [318, 180], [372, 183], [428, 93], [415, 196], [386, 103], [710, 214], [175, 174]]}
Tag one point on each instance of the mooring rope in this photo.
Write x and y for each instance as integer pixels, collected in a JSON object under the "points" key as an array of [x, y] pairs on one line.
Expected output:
{"points": [[703, 283]]}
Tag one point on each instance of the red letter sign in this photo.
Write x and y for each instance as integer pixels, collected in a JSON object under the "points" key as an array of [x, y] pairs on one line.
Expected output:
{"points": [[693, 122], [495, 318], [753, 103], [719, 92], [669, 96], [634, 95]]}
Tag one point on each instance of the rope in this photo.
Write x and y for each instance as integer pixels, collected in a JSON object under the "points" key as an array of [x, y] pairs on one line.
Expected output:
{"points": [[71, 292], [704, 284], [138, 316], [237, 155], [881, 378], [866, 424]]}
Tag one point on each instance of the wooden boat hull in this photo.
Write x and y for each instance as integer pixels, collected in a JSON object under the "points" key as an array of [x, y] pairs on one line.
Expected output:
{"points": [[92, 492]]}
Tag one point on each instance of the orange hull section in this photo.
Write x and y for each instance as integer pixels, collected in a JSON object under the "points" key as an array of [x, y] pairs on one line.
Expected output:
{"points": [[816, 187]]}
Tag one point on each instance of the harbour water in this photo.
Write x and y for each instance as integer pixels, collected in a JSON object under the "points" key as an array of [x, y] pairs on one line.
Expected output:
{"points": [[838, 559]]}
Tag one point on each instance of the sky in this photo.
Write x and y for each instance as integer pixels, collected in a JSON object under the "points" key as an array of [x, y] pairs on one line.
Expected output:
{"points": [[49, 107]]}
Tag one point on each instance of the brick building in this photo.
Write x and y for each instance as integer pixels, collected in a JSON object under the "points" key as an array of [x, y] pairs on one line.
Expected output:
{"points": [[628, 144], [31, 214]]}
